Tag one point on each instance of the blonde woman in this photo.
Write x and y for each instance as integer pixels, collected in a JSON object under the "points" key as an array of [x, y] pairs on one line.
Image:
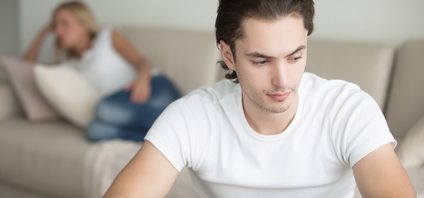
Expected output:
{"points": [[133, 96]]}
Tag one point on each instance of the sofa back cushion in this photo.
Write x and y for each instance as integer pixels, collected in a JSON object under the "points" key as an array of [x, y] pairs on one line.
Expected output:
{"points": [[187, 57], [366, 64], [406, 100]]}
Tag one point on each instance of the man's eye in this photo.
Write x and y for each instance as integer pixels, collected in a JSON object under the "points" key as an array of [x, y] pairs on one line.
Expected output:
{"points": [[295, 59], [263, 62]]}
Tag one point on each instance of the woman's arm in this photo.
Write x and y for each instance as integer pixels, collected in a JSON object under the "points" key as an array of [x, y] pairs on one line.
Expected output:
{"points": [[32, 52], [141, 87]]}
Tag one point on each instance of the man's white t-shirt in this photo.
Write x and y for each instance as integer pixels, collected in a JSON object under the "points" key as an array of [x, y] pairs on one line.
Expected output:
{"points": [[336, 124]]}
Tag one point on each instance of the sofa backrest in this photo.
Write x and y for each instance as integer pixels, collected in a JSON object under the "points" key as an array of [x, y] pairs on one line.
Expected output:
{"points": [[406, 99], [368, 65], [187, 57]]}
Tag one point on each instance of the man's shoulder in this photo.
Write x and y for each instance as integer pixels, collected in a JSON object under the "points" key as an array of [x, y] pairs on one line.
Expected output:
{"points": [[212, 93], [332, 93], [204, 103], [314, 84], [314, 81]]}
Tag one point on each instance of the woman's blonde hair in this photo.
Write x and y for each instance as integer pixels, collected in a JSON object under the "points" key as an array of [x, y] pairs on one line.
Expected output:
{"points": [[84, 15]]}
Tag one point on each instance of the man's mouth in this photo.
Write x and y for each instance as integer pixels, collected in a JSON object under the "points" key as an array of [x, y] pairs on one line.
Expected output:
{"points": [[279, 96]]}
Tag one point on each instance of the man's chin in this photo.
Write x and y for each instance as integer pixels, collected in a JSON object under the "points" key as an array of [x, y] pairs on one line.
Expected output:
{"points": [[273, 108], [279, 110], [278, 107]]}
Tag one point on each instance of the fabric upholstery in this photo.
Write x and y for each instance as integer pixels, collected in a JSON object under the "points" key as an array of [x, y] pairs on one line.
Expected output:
{"points": [[21, 78], [9, 106], [411, 151], [3, 76], [188, 58], [45, 157], [9, 190], [406, 100], [366, 64], [416, 175]]}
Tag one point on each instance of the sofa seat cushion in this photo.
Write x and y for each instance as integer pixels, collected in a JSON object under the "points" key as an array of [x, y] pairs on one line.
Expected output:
{"points": [[44, 157], [411, 151]]}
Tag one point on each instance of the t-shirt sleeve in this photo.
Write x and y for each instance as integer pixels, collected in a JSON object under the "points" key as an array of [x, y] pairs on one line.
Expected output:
{"points": [[359, 127], [169, 135]]}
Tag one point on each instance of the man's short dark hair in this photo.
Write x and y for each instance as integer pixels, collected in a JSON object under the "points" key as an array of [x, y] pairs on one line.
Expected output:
{"points": [[231, 13]]}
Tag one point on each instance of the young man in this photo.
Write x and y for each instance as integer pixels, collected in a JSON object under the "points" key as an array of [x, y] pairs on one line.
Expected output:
{"points": [[274, 131]]}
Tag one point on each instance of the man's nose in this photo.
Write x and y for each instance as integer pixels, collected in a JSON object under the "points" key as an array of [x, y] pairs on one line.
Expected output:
{"points": [[280, 75]]}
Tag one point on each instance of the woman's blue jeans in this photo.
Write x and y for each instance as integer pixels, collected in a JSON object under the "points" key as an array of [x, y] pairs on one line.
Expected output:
{"points": [[118, 117]]}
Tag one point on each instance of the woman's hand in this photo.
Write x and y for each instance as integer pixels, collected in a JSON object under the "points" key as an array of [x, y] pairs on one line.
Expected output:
{"points": [[32, 52], [140, 89], [48, 28]]}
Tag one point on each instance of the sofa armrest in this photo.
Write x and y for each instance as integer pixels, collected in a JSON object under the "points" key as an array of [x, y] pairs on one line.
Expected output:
{"points": [[3, 76], [9, 105]]}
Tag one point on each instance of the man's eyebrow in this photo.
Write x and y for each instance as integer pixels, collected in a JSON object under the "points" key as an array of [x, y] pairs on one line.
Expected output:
{"points": [[300, 48], [260, 55]]}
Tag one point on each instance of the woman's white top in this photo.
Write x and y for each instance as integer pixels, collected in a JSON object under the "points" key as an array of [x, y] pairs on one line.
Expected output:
{"points": [[103, 66]]}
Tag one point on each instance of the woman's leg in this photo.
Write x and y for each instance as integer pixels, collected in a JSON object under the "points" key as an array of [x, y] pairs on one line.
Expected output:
{"points": [[118, 110], [163, 94], [98, 131]]}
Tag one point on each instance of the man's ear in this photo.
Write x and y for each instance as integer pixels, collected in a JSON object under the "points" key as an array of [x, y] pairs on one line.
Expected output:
{"points": [[227, 55]]}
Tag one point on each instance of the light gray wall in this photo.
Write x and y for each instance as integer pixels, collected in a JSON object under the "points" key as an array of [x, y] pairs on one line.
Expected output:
{"points": [[9, 27], [388, 21]]}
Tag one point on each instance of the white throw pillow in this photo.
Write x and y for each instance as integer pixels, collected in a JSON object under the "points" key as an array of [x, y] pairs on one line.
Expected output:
{"points": [[68, 92], [411, 151]]}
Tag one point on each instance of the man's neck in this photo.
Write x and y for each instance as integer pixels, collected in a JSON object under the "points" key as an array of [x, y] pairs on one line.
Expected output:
{"points": [[265, 122]]}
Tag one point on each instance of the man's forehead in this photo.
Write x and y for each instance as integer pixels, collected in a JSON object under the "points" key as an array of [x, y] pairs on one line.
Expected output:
{"points": [[283, 23], [280, 36]]}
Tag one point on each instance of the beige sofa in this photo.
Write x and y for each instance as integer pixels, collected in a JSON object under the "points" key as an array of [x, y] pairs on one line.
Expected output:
{"points": [[46, 159]]}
